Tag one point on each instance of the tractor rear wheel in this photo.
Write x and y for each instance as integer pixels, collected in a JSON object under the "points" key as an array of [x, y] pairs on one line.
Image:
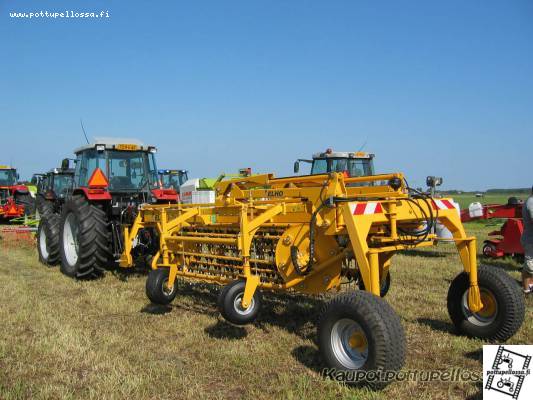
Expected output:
{"points": [[230, 304], [48, 240], [503, 305], [27, 201], [157, 289], [85, 240], [358, 331]]}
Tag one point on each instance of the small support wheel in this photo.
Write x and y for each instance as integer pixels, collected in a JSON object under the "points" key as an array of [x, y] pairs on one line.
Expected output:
{"points": [[229, 304], [489, 249], [503, 309], [384, 287], [157, 289]]}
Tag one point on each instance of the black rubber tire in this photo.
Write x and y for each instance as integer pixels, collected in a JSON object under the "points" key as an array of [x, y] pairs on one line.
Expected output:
{"points": [[93, 237], [509, 299], [43, 206], [226, 304], [49, 224], [27, 201], [384, 288], [155, 287], [381, 326]]}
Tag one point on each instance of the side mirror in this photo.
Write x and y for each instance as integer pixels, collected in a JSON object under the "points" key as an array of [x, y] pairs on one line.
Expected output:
{"points": [[18, 177], [296, 166], [65, 164]]}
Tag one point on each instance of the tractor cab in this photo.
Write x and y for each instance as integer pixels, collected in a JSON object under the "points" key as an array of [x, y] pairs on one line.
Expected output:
{"points": [[172, 178], [119, 169], [351, 164], [56, 183], [8, 176]]}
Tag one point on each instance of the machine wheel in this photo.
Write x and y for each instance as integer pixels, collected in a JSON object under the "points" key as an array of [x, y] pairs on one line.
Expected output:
{"points": [[360, 331], [229, 304], [503, 310], [84, 239], [43, 206], [156, 287], [48, 240], [489, 249], [384, 288], [27, 201]]}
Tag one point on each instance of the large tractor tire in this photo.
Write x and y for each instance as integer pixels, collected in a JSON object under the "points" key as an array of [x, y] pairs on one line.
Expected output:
{"points": [[27, 201], [48, 240], [43, 206], [503, 305], [358, 331], [85, 240]]}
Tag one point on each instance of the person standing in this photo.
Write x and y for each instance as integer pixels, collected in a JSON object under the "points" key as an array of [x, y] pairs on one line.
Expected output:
{"points": [[527, 244]]}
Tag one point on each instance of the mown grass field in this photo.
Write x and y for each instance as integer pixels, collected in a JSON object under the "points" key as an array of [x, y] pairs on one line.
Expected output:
{"points": [[102, 339]]}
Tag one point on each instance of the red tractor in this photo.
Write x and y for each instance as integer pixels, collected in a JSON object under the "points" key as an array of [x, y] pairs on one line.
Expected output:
{"points": [[112, 178], [15, 199], [506, 240]]}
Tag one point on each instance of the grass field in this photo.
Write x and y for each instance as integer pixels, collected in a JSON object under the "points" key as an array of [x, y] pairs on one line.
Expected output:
{"points": [[102, 339], [464, 199]]}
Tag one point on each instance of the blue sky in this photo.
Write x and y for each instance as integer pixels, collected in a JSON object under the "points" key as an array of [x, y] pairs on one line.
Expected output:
{"points": [[432, 87]]}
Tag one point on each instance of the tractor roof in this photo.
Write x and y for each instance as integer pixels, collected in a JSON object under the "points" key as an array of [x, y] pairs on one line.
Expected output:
{"points": [[115, 143], [59, 171], [171, 171], [343, 154], [6, 167]]}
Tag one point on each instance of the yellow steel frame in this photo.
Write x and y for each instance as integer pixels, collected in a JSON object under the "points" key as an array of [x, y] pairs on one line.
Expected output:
{"points": [[251, 203]]}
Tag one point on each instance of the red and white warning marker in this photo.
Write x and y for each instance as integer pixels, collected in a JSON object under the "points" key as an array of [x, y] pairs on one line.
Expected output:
{"points": [[366, 208], [443, 204]]}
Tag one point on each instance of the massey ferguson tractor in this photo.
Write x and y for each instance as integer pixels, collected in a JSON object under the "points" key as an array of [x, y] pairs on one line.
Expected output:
{"points": [[53, 188], [15, 199], [351, 164], [112, 178]]}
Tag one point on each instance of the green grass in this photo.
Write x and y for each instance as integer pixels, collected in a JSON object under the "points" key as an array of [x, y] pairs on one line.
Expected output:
{"points": [[102, 339]]}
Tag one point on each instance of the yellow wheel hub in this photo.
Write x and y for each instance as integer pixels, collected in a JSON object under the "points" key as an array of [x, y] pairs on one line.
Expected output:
{"points": [[489, 304], [358, 341]]}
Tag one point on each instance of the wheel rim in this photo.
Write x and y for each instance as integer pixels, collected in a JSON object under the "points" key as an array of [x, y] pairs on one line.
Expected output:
{"points": [[166, 291], [349, 343], [42, 244], [70, 239], [488, 249], [487, 315], [237, 304]]}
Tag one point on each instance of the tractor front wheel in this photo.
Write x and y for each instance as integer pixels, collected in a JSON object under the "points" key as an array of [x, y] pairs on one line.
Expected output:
{"points": [[503, 305], [48, 239], [230, 304], [157, 288], [358, 331], [84, 239]]}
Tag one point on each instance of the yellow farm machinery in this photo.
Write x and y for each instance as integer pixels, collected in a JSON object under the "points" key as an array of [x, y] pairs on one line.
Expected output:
{"points": [[308, 234]]}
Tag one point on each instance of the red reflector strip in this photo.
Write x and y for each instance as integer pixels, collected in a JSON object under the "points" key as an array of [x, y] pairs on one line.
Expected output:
{"points": [[371, 207]]}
